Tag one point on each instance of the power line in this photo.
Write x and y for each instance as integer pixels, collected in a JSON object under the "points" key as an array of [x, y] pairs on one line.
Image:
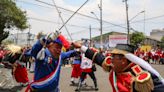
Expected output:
{"points": [[117, 25], [48, 21], [147, 19], [73, 12], [25, 2]]}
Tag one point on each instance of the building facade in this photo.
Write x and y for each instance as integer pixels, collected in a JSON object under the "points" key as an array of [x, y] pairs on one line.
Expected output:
{"points": [[157, 34], [22, 39]]}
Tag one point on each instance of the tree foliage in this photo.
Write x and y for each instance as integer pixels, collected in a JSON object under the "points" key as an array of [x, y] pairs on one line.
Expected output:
{"points": [[11, 17], [7, 41], [137, 38], [162, 42]]}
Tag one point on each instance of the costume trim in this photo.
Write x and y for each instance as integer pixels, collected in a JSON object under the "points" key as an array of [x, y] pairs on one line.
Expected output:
{"points": [[133, 79], [105, 61], [143, 81], [137, 69], [130, 65], [46, 80], [144, 65], [107, 64], [117, 51], [94, 56], [115, 81], [84, 48]]}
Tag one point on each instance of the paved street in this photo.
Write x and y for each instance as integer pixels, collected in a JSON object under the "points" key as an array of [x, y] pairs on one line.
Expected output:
{"points": [[66, 86]]}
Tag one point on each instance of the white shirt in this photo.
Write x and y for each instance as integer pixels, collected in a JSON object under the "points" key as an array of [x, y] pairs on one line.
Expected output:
{"points": [[86, 63]]}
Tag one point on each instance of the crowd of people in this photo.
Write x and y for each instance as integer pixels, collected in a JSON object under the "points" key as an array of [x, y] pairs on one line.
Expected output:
{"points": [[154, 56], [128, 69]]}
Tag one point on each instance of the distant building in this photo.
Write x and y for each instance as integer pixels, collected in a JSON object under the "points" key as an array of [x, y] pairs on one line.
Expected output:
{"points": [[23, 39], [157, 34], [96, 40], [153, 40]]}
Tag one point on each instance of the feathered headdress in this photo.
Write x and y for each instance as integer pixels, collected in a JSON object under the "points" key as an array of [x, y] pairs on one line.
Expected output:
{"points": [[13, 49], [58, 38]]}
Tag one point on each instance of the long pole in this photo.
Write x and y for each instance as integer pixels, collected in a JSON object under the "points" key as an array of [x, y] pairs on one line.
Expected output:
{"points": [[101, 38], [62, 20], [90, 32], [127, 19], [29, 35], [61, 17], [73, 14], [144, 23]]}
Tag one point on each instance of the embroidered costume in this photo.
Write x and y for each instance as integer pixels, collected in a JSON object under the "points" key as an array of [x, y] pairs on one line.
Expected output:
{"points": [[137, 75], [47, 67]]}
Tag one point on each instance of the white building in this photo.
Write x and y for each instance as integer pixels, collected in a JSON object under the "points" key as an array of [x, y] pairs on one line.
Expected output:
{"points": [[23, 39], [157, 34]]}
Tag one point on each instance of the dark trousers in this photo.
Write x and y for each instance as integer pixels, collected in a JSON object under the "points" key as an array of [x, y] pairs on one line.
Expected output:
{"points": [[82, 77]]}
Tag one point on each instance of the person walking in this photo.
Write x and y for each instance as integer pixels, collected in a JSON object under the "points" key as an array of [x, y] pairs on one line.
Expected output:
{"points": [[86, 66]]}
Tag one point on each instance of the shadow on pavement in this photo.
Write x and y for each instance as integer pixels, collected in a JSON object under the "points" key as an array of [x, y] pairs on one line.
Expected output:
{"points": [[14, 89], [87, 89]]}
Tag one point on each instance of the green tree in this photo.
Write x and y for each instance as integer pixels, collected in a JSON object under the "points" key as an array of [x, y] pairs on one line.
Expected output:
{"points": [[162, 42], [7, 41], [137, 38], [11, 17]]}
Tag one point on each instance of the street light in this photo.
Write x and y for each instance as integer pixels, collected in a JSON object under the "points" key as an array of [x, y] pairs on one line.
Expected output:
{"points": [[99, 29], [95, 16], [100, 19], [100, 7], [128, 21], [136, 15]]}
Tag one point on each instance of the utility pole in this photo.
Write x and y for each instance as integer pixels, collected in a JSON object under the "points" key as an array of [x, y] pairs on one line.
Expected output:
{"points": [[29, 35], [144, 23], [90, 32], [101, 38], [17, 37], [127, 20]]}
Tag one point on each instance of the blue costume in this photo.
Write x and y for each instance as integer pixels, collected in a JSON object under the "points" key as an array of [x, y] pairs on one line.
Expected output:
{"points": [[47, 70]]}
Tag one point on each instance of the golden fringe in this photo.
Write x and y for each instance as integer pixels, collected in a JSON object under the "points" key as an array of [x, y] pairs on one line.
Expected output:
{"points": [[106, 67], [144, 86]]}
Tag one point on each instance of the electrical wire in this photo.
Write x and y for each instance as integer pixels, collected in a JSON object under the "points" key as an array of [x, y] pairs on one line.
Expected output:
{"points": [[80, 14]]}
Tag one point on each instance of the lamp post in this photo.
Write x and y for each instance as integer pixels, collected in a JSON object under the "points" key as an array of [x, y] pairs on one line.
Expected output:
{"points": [[100, 7], [100, 20], [90, 32], [127, 20], [29, 35], [136, 15], [95, 16]]}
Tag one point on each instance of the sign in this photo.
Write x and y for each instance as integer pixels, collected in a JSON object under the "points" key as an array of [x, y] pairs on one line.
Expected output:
{"points": [[117, 39]]}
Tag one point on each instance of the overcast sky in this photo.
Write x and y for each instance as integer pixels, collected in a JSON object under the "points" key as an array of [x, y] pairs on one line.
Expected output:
{"points": [[45, 18]]}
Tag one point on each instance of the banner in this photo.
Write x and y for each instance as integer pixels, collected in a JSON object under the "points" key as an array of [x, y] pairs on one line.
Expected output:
{"points": [[117, 39]]}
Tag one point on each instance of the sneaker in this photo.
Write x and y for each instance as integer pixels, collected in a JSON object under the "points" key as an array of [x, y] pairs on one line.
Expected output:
{"points": [[96, 89], [77, 90], [73, 82], [84, 83], [1, 65]]}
